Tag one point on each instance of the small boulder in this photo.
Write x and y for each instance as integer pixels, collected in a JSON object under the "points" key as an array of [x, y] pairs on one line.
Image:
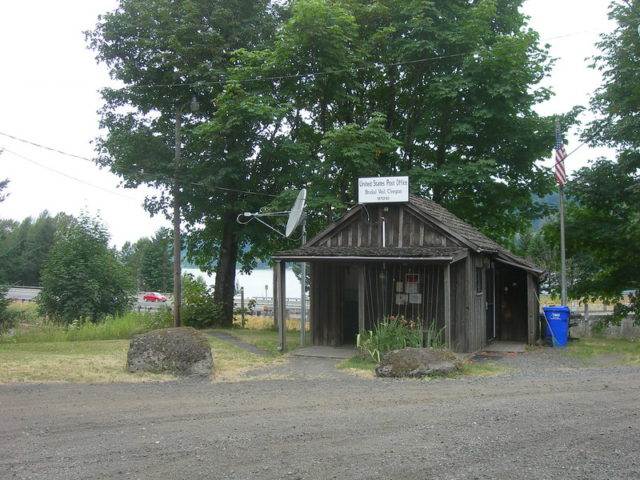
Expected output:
{"points": [[417, 362], [181, 351]]}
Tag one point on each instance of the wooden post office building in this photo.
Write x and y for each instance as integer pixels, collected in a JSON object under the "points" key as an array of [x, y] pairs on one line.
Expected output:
{"points": [[417, 260]]}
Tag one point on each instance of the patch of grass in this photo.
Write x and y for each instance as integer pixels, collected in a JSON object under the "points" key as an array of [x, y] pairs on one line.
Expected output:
{"points": [[82, 361], [267, 339], [112, 328], [614, 350], [229, 360], [254, 322], [359, 364]]}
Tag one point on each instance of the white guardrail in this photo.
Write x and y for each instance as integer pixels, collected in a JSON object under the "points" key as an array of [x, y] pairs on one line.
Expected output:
{"points": [[263, 305]]}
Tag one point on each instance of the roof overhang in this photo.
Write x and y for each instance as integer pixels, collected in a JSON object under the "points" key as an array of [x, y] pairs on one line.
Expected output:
{"points": [[536, 271], [356, 258]]}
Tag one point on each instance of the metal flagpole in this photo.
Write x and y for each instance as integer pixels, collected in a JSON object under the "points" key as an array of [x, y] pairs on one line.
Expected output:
{"points": [[561, 177], [563, 264]]}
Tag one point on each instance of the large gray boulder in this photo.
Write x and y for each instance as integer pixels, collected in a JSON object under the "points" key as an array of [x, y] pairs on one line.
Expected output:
{"points": [[181, 351], [417, 362]]}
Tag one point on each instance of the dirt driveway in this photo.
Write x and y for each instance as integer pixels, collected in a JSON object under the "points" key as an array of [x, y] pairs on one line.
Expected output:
{"points": [[548, 418]]}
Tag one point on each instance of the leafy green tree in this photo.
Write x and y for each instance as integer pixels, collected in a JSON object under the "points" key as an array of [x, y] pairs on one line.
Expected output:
{"points": [[166, 53], [441, 91], [542, 248], [603, 222], [82, 278]]}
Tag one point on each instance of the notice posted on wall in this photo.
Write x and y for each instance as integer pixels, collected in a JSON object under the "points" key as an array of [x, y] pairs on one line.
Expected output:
{"points": [[402, 298], [411, 288], [415, 298]]}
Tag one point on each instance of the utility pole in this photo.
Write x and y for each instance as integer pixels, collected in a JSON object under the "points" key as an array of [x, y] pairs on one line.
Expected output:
{"points": [[177, 240]]}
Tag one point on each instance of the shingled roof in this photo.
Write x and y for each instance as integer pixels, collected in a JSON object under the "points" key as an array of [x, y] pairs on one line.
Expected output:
{"points": [[471, 237], [431, 212]]}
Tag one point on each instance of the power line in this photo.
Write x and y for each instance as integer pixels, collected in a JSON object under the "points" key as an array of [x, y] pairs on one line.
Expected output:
{"points": [[28, 142], [69, 176], [148, 178]]}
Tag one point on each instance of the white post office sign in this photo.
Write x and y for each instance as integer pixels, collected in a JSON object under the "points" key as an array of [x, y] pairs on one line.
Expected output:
{"points": [[383, 189]]}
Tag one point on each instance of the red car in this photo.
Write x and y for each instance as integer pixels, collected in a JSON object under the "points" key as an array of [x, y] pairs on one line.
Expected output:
{"points": [[154, 297]]}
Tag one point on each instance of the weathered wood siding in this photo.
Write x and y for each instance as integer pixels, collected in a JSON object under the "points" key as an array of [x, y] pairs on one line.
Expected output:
{"points": [[403, 229], [533, 308], [459, 305], [477, 325], [337, 285], [326, 304]]}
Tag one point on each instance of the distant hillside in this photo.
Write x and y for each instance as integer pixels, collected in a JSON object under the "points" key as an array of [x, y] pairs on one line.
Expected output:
{"points": [[552, 201]]}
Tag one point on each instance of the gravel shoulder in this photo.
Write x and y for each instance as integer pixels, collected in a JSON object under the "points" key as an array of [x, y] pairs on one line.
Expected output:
{"points": [[547, 417]]}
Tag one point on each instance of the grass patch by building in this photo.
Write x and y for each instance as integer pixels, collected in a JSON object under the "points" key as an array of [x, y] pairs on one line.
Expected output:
{"points": [[101, 361], [267, 339], [32, 328], [367, 367], [619, 351], [40, 351]]}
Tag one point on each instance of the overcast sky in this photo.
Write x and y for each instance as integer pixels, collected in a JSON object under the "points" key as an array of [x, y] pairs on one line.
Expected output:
{"points": [[49, 95]]}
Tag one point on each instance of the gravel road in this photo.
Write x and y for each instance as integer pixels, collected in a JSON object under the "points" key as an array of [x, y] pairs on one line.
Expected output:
{"points": [[546, 418]]}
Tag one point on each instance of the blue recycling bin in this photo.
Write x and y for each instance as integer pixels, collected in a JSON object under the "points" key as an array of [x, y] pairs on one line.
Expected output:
{"points": [[558, 322]]}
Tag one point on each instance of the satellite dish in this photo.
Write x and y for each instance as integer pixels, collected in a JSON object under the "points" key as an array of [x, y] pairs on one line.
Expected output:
{"points": [[297, 212]]}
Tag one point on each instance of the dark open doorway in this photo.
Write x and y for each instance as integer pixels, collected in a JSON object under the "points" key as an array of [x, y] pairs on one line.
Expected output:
{"points": [[511, 304], [350, 305]]}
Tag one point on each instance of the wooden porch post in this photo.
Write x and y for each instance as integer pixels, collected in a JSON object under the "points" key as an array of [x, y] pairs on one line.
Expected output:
{"points": [[279, 302], [275, 293], [361, 298], [447, 305], [532, 309]]}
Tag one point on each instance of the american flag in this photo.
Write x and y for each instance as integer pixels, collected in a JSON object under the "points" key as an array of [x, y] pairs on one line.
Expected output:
{"points": [[560, 155]]}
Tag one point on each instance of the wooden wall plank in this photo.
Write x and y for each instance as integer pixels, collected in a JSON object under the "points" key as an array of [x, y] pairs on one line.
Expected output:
{"points": [[447, 306]]}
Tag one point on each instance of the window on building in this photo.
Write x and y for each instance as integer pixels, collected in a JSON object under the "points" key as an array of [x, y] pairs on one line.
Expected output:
{"points": [[479, 280]]}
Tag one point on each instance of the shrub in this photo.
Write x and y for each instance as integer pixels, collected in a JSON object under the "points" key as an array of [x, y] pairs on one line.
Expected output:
{"points": [[199, 310], [7, 316]]}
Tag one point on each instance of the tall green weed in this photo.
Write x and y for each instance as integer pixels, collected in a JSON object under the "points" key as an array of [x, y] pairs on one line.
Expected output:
{"points": [[393, 333], [112, 328]]}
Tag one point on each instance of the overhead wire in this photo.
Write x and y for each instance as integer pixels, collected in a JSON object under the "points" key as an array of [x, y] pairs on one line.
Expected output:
{"points": [[71, 177], [29, 142], [62, 152], [253, 79]]}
